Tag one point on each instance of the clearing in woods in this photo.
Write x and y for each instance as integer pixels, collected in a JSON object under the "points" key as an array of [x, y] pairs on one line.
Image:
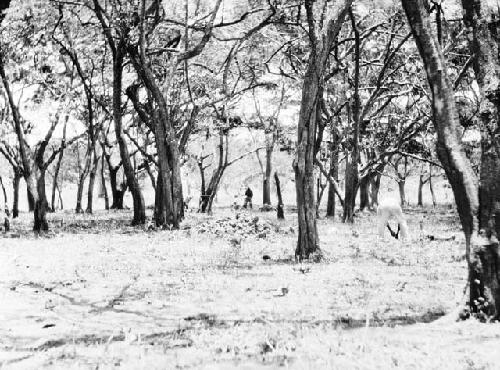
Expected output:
{"points": [[96, 293]]}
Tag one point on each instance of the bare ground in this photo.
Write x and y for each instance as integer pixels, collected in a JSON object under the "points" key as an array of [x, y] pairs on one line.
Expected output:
{"points": [[96, 293]]}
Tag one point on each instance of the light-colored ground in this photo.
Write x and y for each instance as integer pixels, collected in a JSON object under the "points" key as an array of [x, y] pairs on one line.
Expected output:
{"points": [[96, 293]]}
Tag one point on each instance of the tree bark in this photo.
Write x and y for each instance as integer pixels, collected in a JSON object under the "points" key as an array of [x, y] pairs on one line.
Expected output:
{"points": [[5, 199], [92, 176], [364, 196], [41, 203], [279, 210], [320, 47], [31, 199], [449, 149], [132, 183], [352, 159], [374, 190], [266, 184], [481, 19], [421, 183], [103, 183], [56, 174], [402, 193], [15, 199], [334, 173]]}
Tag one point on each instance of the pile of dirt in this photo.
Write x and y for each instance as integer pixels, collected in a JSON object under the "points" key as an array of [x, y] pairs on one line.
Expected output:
{"points": [[240, 225]]}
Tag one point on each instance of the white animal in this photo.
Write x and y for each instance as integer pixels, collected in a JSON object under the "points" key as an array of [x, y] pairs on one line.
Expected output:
{"points": [[390, 208]]}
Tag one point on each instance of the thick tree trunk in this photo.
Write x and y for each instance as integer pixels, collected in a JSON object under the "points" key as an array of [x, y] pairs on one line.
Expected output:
{"points": [[421, 183], [117, 190], [132, 183], [41, 204], [166, 145], [31, 199], [374, 190], [364, 196], [15, 199], [308, 239], [312, 88], [279, 208], [449, 149], [352, 159], [402, 193], [79, 190], [351, 189], [481, 19]]}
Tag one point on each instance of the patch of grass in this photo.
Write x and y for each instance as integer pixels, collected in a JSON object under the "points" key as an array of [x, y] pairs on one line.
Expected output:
{"points": [[99, 292]]}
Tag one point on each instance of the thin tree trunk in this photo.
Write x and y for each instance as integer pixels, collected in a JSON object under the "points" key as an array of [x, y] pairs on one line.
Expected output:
{"points": [[103, 183], [334, 173], [81, 185], [279, 209], [92, 176], [15, 199], [266, 185], [55, 180], [5, 199]]}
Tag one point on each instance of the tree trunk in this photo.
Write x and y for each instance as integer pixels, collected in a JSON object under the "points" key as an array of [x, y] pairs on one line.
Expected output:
{"points": [[334, 173], [117, 191], [5, 200], [352, 159], [449, 149], [421, 183], [351, 189], [166, 143], [55, 181], [41, 204], [266, 186], [481, 19], [374, 190], [90, 192], [364, 197], [31, 199], [132, 183], [312, 88], [402, 194], [15, 199], [308, 239], [279, 209], [79, 191], [103, 183]]}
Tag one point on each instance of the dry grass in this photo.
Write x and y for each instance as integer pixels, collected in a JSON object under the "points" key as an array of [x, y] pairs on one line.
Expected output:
{"points": [[99, 294]]}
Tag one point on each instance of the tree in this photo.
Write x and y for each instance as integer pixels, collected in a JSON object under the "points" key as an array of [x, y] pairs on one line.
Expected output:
{"points": [[483, 258], [321, 41], [480, 18], [117, 33]]}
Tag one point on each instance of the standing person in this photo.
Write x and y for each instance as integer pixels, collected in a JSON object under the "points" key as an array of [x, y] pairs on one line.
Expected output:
{"points": [[248, 198]]}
